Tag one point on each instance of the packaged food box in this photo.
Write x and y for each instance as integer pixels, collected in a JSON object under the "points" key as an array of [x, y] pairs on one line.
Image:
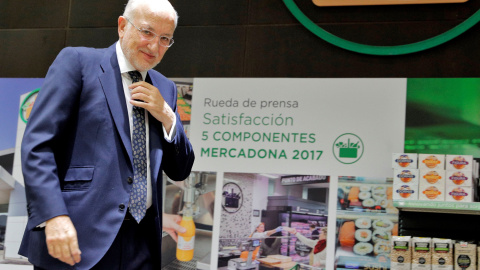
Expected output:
{"points": [[430, 161], [432, 177], [405, 176], [442, 254], [404, 161], [465, 257], [475, 169], [478, 254], [400, 255], [429, 192], [458, 194], [459, 162], [421, 253], [405, 192], [459, 178]]}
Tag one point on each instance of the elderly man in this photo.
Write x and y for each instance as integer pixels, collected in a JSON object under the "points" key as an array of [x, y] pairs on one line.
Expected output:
{"points": [[103, 128]]}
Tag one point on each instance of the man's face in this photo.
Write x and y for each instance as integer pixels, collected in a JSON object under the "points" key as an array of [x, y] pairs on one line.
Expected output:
{"points": [[141, 53]]}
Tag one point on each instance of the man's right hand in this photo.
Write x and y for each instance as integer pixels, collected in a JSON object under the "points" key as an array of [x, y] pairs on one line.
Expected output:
{"points": [[62, 240]]}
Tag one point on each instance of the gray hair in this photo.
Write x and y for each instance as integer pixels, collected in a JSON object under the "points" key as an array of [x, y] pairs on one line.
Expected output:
{"points": [[163, 5]]}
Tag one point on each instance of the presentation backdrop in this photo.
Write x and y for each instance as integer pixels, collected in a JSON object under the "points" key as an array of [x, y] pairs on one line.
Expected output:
{"points": [[313, 126], [271, 142], [441, 113]]}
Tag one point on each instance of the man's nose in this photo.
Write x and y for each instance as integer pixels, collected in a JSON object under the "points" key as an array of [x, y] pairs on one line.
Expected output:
{"points": [[154, 44]]}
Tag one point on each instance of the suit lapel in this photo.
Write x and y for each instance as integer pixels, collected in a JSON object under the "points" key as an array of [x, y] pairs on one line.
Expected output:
{"points": [[112, 87]]}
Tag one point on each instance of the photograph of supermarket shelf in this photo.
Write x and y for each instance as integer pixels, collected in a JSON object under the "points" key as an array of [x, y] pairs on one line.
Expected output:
{"points": [[366, 221], [194, 200], [365, 195], [273, 220], [184, 99]]}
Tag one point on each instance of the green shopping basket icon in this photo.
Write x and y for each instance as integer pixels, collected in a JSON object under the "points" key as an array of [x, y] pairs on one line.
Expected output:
{"points": [[348, 150]]}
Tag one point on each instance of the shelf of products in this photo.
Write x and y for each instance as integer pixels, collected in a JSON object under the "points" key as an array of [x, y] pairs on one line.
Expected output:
{"points": [[470, 208], [436, 196]]}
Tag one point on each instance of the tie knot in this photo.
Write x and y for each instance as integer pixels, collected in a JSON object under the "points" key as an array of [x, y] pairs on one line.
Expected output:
{"points": [[135, 75]]}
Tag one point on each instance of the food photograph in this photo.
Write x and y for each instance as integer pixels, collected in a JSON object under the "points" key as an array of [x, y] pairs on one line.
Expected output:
{"points": [[366, 221]]}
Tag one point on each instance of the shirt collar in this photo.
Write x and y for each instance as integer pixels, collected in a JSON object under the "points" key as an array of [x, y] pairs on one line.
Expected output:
{"points": [[123, 63]]}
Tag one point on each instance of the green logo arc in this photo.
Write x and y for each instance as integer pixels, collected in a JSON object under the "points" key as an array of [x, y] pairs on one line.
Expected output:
{"points": [[381, 50], [24, 101]]}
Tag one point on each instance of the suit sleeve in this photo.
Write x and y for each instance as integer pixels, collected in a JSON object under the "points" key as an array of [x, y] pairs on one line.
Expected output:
{"points": [[178, 155], [53, 108]]}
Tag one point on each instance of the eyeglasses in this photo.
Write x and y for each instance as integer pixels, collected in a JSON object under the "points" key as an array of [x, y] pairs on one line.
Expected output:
{"points": [[149, 35]]}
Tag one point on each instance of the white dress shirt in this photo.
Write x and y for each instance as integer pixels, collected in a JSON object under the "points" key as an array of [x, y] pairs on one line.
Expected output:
{"points": [[125, 67]]}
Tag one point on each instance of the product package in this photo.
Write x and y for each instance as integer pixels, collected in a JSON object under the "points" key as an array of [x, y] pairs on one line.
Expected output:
{"points": [[405, 176], [429, 161], [404, 161], [431, 185], [459, 178], [428, 192], [421, 253], [442, 254], [459, 194], [405, 192], [465, 256], [459, 162], [400, 255], [432, 177]]}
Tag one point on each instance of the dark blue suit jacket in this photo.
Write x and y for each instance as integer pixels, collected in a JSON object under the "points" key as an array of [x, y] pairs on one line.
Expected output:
{"points": [[77, 154]]}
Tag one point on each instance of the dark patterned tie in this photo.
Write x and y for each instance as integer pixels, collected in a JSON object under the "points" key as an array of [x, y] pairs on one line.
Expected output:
{"points": [[138, 195]]}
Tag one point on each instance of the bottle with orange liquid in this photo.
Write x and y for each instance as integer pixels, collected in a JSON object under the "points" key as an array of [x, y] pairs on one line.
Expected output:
{"points": [[186, 240]]}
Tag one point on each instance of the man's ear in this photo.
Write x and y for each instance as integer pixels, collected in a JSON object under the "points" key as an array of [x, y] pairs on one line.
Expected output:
{"points": [[122, 23]]}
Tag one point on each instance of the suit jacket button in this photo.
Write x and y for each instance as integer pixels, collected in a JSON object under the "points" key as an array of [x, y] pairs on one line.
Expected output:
{"points": [[121, 206], [130, 180]]}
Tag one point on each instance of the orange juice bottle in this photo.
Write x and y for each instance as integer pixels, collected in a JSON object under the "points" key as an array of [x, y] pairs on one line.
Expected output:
{"points": [[186, 240]]}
